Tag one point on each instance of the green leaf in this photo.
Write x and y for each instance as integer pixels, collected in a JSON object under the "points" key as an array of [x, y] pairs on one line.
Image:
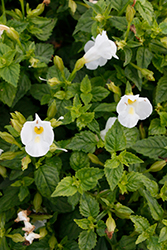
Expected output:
{"points": [[16, 237], [132, 74], [163, 27], [140, 223], [89, 177], [24, 192], [11, 73], [88, 206], [99, 93], [119, 4], [113, 172], [133, 181], [127, 243], [85, 141], [44, 180], [163, 118], [161, 90], [39, 90], [82, 223], [115, 138], [152, 243], [128, 55], [65, 187], [143, 58], [44, 52], [152, 147], [105, 107], [45, 29], [79, 160], [3, 244], [163, 235], [131, 158], [101, 226], [28, 180], [132, 135], [155, 209], [85, 119], [150, 185], [85, 86], [9, 199], [156, 128], [7, 93], [119, 22], [86, 98], [87, 240], [85, 22], [4, 49], [145, 9]]}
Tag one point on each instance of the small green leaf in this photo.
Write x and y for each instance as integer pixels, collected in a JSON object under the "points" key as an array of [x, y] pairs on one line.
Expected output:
{"points": [[140, 223], [11, 73], [89, 177], [88, 206], [163, 235], [85, 86], [99, 93], [82, 223], [105, 107], [65, 187], [28, 180], [87, 240], [128, 55], [85, 119], [79, 160], [115, 138], [156, 128], [7, 93], [24, 192], [161, 90], [131, 158], [16, 237]]}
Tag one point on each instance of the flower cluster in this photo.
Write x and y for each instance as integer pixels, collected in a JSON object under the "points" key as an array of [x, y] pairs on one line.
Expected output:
{"points": [[28, 227], [99, 51]]}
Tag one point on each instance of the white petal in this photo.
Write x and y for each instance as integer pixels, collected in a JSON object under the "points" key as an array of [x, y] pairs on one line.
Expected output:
{"points": [[27, 132], [103, 133], [37, 149], [102, 61], [144, 108], [92, 54], [48, 134], [109, 124], [1, 150], [92, 65], [88, 45], [123, 103], [128, 120]]}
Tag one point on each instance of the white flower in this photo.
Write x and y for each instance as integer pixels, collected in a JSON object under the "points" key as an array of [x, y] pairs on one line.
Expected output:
{"points": [[22, 216], [31, 236], [132, 108], [99, 51], [2, 28], [1, 150], [28, 227], [109, 124], [37, 136]]}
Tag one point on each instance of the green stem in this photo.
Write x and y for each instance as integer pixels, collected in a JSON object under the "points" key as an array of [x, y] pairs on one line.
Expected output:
{"points": [[124, 8], [83, 4], [135, 66], [3, 10], [22, 8], [127, 32]]}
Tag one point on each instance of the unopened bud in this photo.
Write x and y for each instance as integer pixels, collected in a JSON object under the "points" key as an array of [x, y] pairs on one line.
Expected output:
{"points": [[72, 5], [157, 166], [110, 223], [53, 81], [17, 126], [148, 74], [33, 61], [94, 159], [130, 12], [99, 18], [13, 34], [3, 171], [36, 12], [58, 62], [112, 87], [20, 117], [121, 44], [79, 64], [37, 202], [55, 123], [52, 110], [9, 138], [24, 162]]}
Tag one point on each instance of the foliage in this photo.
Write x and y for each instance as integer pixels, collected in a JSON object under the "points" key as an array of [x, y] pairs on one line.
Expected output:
{"points": [[100, 194]]}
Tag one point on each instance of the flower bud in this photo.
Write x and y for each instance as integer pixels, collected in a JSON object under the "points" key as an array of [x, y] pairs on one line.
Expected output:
{"points": [[55, 123], [13, 34], [53, 81], [72, 5], [121, 44], [33, 61], [148, 74], [37, 202], [130, 12], [36, 12], [94, 159], [110, 223], [58, 62], [99, 18], [24, 162], [9, 138], [52, 110], [79, 64], [3, 171], [20, 117], [112, 87], [17, 126], [157, 166]]}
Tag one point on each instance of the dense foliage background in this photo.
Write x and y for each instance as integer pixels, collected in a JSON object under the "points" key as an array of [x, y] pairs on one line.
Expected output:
{"points": [[107, 194]]}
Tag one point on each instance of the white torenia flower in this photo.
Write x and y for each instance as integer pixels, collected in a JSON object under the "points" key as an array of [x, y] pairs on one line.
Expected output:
{"points": [[109, 124], [132, 108], [37, 136], [2, 28], [99, 51], [1, 150], [28, 227], [22, 216], [31, 236]]}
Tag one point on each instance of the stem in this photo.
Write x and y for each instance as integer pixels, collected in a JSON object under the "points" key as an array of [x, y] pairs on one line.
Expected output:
{"points": [[135, 66], [3, 10], [83, 4], [22, 8], [127, 32], [124, 8]]}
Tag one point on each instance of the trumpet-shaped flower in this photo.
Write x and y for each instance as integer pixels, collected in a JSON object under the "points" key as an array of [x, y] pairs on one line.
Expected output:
{"points": [[22, 216], [28, 227], [37, 136], [31, 236], [132, 108], [2, 28], [99, 51], [109, 124], [1, 150]]}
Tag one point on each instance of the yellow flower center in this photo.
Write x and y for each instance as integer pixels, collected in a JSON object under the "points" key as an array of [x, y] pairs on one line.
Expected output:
{"points": [[131, 102], [38, 130], [131, 111]]}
